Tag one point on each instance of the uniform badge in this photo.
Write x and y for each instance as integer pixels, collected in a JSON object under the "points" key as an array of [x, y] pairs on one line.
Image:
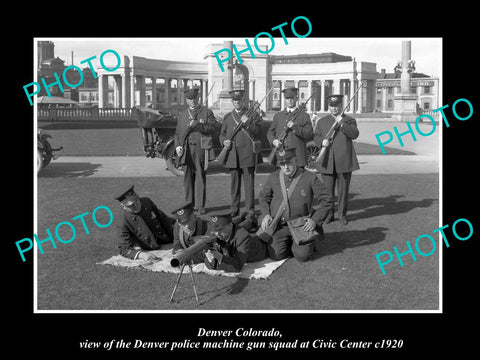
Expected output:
{"points": [[180, 212], [214, 219], [281, 153], [201, 121], [303, 193], [153, 215]]}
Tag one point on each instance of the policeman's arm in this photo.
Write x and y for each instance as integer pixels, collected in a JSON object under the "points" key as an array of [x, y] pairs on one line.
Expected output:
{"points": [[271, 132], [126, 243], [207, 127], [223, 131], [350, 129], [265, 197], [235, 263], [166, 221], [324, 199], [303, 127]]}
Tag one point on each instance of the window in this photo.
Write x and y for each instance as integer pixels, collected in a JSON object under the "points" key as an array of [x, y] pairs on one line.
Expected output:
{"points": [[390, 90], [379, 103], [390, 104], [426, 106], [426, 89]]}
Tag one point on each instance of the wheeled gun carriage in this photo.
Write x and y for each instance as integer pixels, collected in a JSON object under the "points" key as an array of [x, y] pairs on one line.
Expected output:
{"points": [[157, 130]]}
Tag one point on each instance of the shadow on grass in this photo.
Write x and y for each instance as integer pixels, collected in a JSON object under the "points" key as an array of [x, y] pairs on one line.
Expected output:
{"points": [[337, 242], [388, 205], [69, 170]]}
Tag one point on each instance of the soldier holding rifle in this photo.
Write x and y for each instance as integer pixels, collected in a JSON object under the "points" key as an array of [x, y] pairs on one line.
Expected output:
{"points": [[341, 159], [299, 124], [193, 145], [242, 156]]}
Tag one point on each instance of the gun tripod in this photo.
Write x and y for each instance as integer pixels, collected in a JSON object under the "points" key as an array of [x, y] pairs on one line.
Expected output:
{"points": [[178, 281]]}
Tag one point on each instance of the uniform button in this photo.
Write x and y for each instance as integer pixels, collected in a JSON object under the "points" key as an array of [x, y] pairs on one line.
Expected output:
{"points": [[139, 228]]}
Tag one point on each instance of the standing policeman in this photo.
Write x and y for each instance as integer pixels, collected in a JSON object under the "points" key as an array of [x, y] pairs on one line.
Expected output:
{"points": [[242, 157], [342, 159], [298, 121], [193, 145]]}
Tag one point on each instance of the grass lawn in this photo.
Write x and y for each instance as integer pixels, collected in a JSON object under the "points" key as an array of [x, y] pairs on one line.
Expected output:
{"points": [[385, 211]]}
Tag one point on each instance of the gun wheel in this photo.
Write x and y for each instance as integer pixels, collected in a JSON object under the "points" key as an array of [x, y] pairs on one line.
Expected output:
{"points": [[312, 153]]}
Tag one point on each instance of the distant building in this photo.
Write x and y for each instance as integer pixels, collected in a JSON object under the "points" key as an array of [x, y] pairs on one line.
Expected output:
{"points": [[48, 65], [425, 87]]}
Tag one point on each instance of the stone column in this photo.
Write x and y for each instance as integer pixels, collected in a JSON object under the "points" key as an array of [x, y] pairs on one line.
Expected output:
{"points": [[141, 89], [405, 104], [225, 101], [154, 92], [102, 91], [360, 98], [322, 97], [251, 89], [132, 90], [117, 91], [167, 92], [309, 93], [204, 90], [282, 95], [125, 91], [179, 92]]}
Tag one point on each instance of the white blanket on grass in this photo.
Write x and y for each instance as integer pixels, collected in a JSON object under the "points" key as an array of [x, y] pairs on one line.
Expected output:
{"points": [[257, 270]]}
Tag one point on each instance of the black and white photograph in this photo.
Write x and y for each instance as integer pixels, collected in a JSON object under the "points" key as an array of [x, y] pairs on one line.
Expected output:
{"points": [[164, 152], [267, 188]]}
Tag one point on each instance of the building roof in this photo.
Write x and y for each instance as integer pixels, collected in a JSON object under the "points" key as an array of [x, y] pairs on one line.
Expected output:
{"points": [[398, 75], [328, 57]]}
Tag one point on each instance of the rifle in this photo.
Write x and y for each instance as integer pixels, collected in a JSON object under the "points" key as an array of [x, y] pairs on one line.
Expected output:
{"points": [[322, 156], [185, 257], [284, 134], [222, 157]]}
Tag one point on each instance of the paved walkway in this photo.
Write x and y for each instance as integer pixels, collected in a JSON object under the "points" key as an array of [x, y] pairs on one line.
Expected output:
{"points": [[139, 166]]}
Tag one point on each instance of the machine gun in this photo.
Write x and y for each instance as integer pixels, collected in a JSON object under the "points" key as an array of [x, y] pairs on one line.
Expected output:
{"points": [[185, 257], [284, 134], [222, 157], [323, 154]]}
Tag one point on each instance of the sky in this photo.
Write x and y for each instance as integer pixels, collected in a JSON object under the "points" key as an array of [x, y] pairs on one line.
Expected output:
{"points": [[385, 52]]}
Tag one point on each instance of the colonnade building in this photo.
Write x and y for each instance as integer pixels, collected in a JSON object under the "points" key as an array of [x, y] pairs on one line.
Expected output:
{"points": [[160, 83]]}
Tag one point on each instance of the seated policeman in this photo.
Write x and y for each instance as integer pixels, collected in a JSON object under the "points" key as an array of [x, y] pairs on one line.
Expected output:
{"points": [[188, 226], [303, 188], [235, 245], [141, 226]]}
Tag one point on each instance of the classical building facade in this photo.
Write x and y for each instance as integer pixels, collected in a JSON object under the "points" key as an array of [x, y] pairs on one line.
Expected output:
{"points": [[160, 83]]}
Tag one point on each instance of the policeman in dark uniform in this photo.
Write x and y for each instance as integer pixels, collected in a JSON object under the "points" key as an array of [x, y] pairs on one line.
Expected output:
{"points": [[242, 157], [307, 187], [299, 123], [235, 245], [193, 133], [342, 159], [141, 226], [187, 226]]}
